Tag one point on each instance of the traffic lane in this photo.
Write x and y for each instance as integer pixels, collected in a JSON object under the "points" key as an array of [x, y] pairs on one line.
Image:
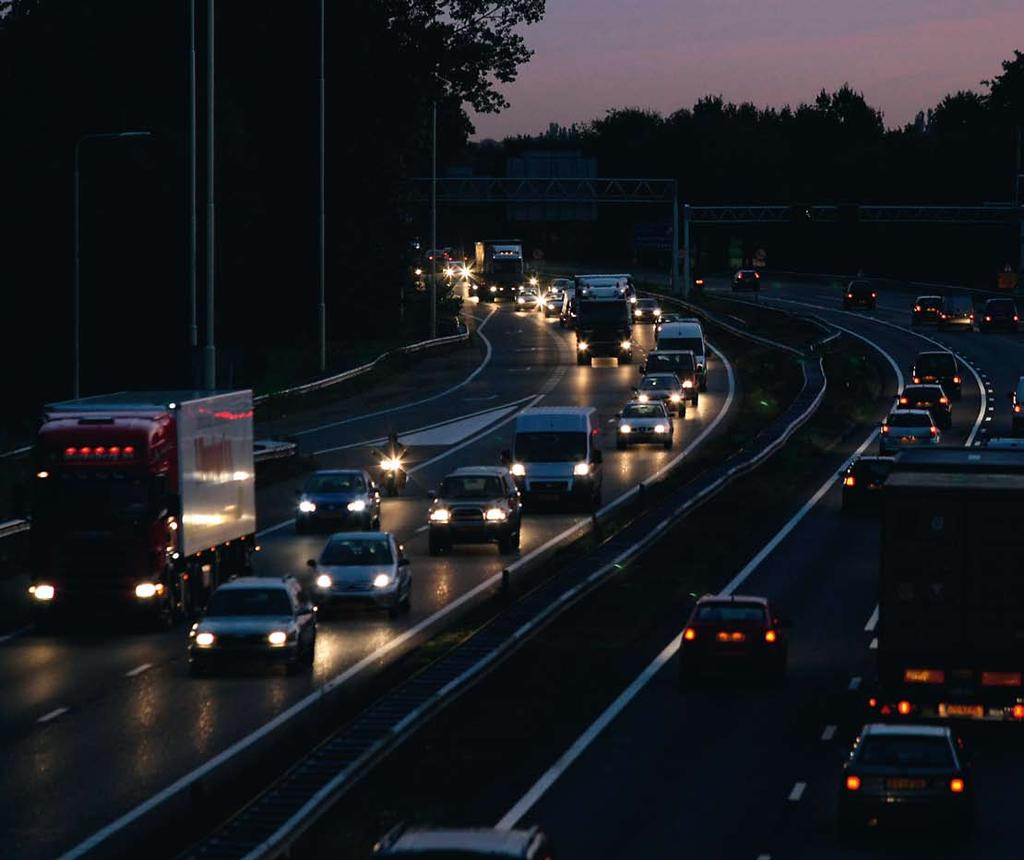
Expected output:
{"points": [[342, 641], [711, 767]]}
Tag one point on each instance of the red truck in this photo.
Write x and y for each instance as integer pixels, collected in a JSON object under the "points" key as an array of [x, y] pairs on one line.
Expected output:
{"points": [[143, 502]]}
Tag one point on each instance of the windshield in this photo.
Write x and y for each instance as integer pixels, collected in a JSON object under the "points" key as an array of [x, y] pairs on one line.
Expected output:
{"points": [[471, 487], [647, 304], [905, 751], [673, 361], [728, 612], [95, 499], [958, 303], [554, 447], [872, 470], [908, 419], [659, 383], [1000, 306], [249, 601], [644, 410], [507, 267], [935, 364], [603, 313], [859, 288], [357, 551], [344, 483], [693, 344]]}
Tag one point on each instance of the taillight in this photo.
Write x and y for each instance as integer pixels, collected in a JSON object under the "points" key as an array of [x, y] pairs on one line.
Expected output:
{"points": [[1018, 712], [934, 430], [904, 400], [885, 428], [70, 452], [689, 634], [917, 309], [1000, 679], [874, 295], [853, 783], [944, 400], [916, 378], [957, 380], [1016, 407], [924, 676], [770, 636], [849, 481], [903, 707], [1016, 318], [988, 318], [956, 785], [872, 702], [849, 295]]}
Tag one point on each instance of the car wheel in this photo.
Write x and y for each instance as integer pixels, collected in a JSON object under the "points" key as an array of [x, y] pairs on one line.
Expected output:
{"points": [[696, 399], [703, 386]]}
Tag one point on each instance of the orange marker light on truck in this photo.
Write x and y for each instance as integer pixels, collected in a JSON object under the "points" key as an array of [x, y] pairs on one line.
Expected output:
{"points": [[1001, 679], [903, 707], [924, 676]]}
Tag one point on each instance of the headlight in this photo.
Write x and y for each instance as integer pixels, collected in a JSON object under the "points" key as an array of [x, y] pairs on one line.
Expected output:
{"points": [[657, 312], [639, 312], [357, 507], [643, 398], [391, 464], [42, 592], [581, 469], [533, 282], [625, 428], [582, 345], [205, 640], [518, 469], [494, 289], [307, 507], [625, 346], [632, 300], [324, 581], [521, 301], [660, 428], [146, 590], [277, 638], [675, 398], [687, 383], [381, 580], [441, 515], [495, 515]]}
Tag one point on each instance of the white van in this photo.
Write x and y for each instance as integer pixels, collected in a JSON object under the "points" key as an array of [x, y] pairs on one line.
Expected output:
{"points": [[686, 335], [555, 457], [606, 286]]}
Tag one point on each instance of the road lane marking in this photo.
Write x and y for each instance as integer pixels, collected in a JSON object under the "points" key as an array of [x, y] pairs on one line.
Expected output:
{"points": [[52, 715], [8, 636], [445, 393], [829, 733], [138, 670], [422, 529], [796, 792], [872, 621], [854, 683], [874, 644], [100, 836]]}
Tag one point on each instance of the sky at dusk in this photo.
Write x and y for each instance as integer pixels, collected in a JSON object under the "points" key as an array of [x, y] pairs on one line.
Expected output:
{"points": [[904, 55]]}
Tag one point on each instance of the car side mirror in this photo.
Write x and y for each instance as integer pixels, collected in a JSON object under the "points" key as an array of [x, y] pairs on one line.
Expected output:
{"points": [[596, 456], [403, 562], [311, 563]]}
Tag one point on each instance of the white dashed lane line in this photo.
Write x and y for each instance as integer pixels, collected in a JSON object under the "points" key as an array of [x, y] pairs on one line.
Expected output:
{"points": [[874, 644], [829, 733], [855, 682], [797, 792], [138, 670], [872, 622], [52, 715]]}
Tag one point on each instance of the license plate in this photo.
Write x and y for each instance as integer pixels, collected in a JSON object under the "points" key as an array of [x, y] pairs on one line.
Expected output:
{"points": [[976, 712], [904, 784]]}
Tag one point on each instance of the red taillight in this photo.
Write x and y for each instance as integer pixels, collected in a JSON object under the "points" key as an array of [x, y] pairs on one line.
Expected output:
{"points": [[689, 634], [917, 309], [70, 452], [943, 399], [957, 380], [101, 451], [988, 318], [904, 400], [849, 481], [1000, 679], [770, 636], [885, 428], [924, 676], [956, 785], [853, 783], [85, 451], [757, 275], [916, 378], [849, 295], [934, 431], [114, 451], [903, 707], [885, 710], [872, 702], [1016, 407], [1018, 712], [1016, 318], [129, 450], [874, 295]]}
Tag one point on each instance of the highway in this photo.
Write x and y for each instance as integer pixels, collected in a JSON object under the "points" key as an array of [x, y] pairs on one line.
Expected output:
{"points": [[729, 770], [94, 724]]}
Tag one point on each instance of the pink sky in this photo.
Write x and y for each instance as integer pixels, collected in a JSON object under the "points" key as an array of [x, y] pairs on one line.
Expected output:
{"points": [[904, 55]]}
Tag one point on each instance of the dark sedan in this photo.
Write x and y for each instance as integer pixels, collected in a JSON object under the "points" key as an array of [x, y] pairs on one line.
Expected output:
{"points": [[746, 279], [930, 397], [957, 312], [859, 295], [906, 770], [926, 310], [939, 367], [863, 480], [338, 499], [999, 315]]}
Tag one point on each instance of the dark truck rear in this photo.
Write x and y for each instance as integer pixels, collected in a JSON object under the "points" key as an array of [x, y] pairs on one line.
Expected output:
{"points": [[604, 327], [951, 596]]}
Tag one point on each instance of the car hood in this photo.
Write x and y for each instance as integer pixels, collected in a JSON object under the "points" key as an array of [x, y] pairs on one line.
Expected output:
{"points": [[549, 470], [244, 625], [356, 573], [456, 504], [644, 422]]}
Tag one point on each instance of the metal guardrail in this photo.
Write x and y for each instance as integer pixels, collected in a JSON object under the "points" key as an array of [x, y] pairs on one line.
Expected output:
{"points": [[271, 825], [13, 527]]}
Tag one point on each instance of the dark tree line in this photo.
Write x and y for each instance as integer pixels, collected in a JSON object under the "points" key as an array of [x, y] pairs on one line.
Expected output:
{"points": [[69, 67]]}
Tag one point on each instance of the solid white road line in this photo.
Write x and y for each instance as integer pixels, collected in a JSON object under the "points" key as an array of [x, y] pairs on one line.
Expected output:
{"points": [[872, 621], [445, 393], [8, 636], [138, 670], [854, 683], [796, 792], [829, 733], [52, 715], [873, 644]]}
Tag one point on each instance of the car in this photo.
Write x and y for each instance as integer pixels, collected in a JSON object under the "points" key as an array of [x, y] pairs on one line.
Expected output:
{"points": [[906, 427], [552, 300], [475, 504], [681, 362], [926, 310], [906, 770], [662, 388], [862, 480], [254, 618], [859, 294], [338, 499], [528, 300], [646, 311], [464, 844], [956, 312], [1017, 407], [746, 279], [999, 314], [686, 334], [498, 292], [643, 422], [930, 397], [665, 319], [733, 631], [939, 367], [367, 568], [567, 313]]}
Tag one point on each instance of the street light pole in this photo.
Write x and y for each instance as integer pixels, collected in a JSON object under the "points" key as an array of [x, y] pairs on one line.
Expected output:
{"points": [[193, 326], [433, 222], [210, 356], [321, 238], [77, 303]]}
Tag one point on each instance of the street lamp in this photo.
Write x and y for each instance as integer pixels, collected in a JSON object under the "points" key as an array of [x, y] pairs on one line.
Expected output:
{"points": [[78, 193]]}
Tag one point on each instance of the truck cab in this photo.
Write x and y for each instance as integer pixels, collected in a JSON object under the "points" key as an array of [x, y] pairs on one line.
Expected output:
{"points": [[604, 320]]}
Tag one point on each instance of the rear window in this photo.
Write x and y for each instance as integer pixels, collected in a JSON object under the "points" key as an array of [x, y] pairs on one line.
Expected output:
{"points": [[727, 612], [859, 288], [1001, 306], [872, 470], [935, 363], [929, 302], [905, 751], [958, 303], [907, 419]]}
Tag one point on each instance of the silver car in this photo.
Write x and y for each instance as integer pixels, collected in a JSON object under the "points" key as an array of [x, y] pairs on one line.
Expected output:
{"points": [[905, 428], [662, 388], [254, 618], [643, 423], [363, 568]]}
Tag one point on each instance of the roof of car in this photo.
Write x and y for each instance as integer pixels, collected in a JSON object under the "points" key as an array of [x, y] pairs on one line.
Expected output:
{"points": [[919, 412], [496, 471], [936, 352], [337, 472], [340, 536], [477, 840], [245, 582], [904, 730], [733, 598], [928, 298], [683, 325]]}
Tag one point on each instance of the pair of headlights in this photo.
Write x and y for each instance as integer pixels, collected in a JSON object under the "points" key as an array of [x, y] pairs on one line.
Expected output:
{"points": [[492, 515], [356, 507], [276, 639], [381, 580]]}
